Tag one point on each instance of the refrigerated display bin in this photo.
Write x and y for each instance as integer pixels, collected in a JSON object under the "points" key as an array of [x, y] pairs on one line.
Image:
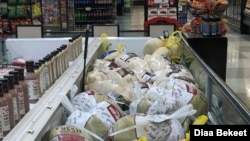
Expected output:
{"points": [[49, 112]]}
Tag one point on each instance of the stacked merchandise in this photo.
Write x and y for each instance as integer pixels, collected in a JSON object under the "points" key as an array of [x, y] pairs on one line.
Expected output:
{"points": [[51, 11], [127, 97], [4, 23], [21, 12], [18, 12], [182, 12], [93, 12], [207, 17]]}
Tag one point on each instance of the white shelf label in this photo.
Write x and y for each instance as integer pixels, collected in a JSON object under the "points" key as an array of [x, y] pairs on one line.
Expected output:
{"points": [[160, 1]]}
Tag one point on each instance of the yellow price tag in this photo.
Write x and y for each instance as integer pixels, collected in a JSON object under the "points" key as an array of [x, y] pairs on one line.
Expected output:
{"points": [[142, 138], [176, 59], [120, 48], [105, 41], [201, 120]]}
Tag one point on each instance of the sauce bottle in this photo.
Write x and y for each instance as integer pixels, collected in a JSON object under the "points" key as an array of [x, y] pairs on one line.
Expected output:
{"points": [[70, 50], [48, 63], [10, 111], [65, 55], [32, 82], [74, 46], [60, 62], [80, 43], [37, 72], [24, 87], [46, 73], [54, 62], [43, 78], [5, 116], [14, 94], [79, 37], [19, 90]]}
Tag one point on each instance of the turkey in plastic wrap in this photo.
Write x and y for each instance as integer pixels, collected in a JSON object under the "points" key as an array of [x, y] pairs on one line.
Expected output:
{"points": [[89, 123], [85, 101], [155, 127], [100, 64], [152, 44], [185, 92], [162, 51], [98, 120], [121, 76], [132, 62], [66, 133], [158, 63], [96, 75], [148, 103], [105, 86], [130, 92], [176, 70]]}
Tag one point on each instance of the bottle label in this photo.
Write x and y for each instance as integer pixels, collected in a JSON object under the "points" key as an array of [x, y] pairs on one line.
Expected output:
{"points": [[33, 89], [15, 108], [46, 77], [54, 69], [5, 118], [59, 66], [51, 75], [21, 103], [42, 81]]}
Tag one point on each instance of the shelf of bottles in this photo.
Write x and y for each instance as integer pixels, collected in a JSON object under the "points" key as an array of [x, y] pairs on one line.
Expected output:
{"points": [[93, 12]]}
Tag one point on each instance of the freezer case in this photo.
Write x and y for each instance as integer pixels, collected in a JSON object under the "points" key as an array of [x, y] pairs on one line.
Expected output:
{"points": [[224, 106]]}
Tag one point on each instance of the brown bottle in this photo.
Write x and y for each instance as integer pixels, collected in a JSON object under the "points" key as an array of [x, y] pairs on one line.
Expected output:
{"points": [[4, 112], [65, 56], [32, 82], [48, 72], [71, 50], [14, 94], [19, 90], [8, 98], [54, 61], [60, 62], [43, 78], [25, 89], [37, 71]]}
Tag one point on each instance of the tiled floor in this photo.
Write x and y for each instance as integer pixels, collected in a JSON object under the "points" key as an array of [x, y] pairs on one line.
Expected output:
{"points": [[238, 58]]}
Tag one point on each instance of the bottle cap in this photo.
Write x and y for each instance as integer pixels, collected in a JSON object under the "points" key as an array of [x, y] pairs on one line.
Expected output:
{"points": [[16, 76], [10, 81]]}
